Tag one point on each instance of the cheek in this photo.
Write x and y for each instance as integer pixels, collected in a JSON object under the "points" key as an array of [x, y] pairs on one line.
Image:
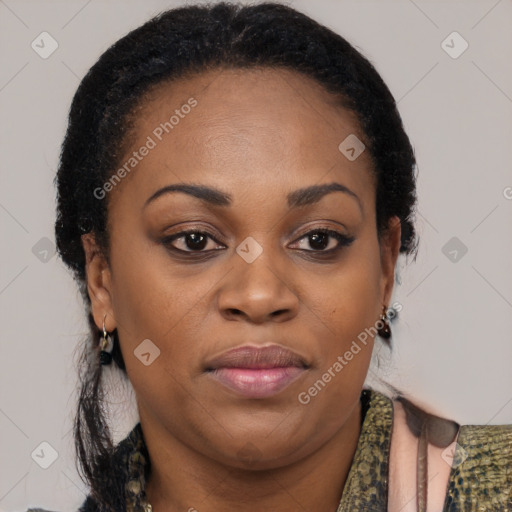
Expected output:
{"points": [[346, 307], [157, 299], [345, 313], [348, 301], [154, 302]]}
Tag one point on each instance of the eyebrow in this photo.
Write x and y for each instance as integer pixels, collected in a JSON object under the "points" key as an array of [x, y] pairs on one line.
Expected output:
{"points": [[296, 199]]}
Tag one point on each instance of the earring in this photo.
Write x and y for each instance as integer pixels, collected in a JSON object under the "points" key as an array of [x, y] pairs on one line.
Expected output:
{"points": [[385, 330], [107, 345]]}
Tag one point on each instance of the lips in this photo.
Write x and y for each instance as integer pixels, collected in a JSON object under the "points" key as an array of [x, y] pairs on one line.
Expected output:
{"points": [[256, 372], [248, 356]]}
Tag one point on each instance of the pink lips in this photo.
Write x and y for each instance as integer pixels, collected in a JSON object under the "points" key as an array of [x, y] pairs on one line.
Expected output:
{"points": [[256, 372]]}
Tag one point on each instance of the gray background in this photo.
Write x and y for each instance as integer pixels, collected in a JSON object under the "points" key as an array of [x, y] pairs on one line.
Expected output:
{"points": [[453, 347]]}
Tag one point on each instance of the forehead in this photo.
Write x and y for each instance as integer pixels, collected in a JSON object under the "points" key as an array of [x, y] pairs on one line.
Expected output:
{"points": [[245, 129]]}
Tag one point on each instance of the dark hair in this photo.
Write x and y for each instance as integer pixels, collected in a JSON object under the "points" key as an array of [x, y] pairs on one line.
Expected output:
{"points": [[172, 45]]}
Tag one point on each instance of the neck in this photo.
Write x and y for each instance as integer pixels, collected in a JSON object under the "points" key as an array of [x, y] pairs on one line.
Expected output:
{"points": [[183, 479]]}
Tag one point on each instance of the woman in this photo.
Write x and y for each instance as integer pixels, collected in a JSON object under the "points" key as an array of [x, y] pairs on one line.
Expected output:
{"points": [[234, 190]]}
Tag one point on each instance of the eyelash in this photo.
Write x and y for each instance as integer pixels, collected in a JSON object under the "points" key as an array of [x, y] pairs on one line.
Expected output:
{"points": [[343, 241]]}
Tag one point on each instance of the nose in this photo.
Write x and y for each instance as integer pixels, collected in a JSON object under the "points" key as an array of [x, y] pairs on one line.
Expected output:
{"points": [[257, 292]]}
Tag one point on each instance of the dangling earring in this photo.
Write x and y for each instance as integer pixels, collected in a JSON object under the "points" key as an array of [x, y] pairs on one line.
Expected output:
{"points": [[385, 330], [107, 345]]}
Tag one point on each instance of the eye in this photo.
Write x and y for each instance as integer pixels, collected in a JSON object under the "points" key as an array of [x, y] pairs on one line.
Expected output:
{"points": [[319, 240], [190, 241]]}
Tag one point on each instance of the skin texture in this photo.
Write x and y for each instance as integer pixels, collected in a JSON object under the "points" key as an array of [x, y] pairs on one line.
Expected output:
{"points": [[256, 134]]}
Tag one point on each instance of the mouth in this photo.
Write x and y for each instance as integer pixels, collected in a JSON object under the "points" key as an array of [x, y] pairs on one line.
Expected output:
{"points": [[257, 372]]}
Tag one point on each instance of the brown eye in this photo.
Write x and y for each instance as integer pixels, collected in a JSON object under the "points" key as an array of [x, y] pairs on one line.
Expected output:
{"points": [[319, 240], [190, 241]]}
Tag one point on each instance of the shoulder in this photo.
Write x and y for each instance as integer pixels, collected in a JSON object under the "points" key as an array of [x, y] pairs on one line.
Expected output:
{"points": [[472, 464], [481, 471]]}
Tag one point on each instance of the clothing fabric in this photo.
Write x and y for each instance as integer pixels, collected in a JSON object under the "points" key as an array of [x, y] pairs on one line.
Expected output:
{"points": [[481, 483]]}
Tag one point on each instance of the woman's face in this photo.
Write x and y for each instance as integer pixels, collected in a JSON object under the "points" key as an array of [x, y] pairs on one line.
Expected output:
{"points": [[255, 270]]}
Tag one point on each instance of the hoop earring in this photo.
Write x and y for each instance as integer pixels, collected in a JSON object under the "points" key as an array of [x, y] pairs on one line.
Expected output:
{"points": [[385, 330], [107, 345]]}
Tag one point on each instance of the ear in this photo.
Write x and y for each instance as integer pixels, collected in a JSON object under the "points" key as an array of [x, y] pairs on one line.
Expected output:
{"points": [[99, 284], [389, 251]]}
